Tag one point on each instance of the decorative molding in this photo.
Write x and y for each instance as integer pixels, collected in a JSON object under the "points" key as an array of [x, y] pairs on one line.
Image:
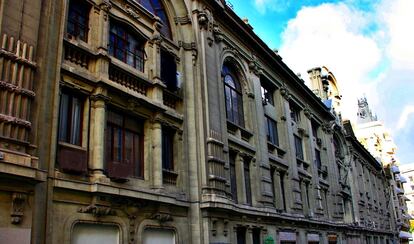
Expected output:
{"points": [[131, 12], [14, 120], [182, 20], [217, 34], [285, 92], [203, 18], [18, 203], [97, 211], [162, 217], [16, 89], [307, 112], [254, 65]]}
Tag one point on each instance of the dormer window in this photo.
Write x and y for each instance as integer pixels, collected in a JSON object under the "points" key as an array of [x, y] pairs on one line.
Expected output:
{"points": [[126, 46]]}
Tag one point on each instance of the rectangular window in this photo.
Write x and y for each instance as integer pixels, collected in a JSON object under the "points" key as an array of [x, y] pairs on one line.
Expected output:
{"points": [[272, 134], [69, 158], [267, 94], [126, 46], [247, 185], [168, 149], [241, 235], [233, 179], [70, 119], [315, 127], [124, 146], [318, 162], [298, 147], [95, 234], [256, 236], [168, 70], [78, 18], [294, 112]]}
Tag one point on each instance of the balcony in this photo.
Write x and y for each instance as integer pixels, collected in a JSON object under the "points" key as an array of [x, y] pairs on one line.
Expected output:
{"points": [[127, 79]]}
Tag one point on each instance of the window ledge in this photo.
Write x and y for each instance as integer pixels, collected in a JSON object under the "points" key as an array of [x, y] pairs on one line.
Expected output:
{"points": [[234, 128], [272, 147]]}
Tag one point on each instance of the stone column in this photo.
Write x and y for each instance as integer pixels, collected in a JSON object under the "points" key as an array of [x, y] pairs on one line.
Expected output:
{"points": [[156, 154], [97, 139], [249, 235], [278, 198], [99, 36], [241, 190]]}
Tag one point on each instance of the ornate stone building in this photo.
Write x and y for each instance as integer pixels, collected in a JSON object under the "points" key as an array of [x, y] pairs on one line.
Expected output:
{"points": [[149, 121]]}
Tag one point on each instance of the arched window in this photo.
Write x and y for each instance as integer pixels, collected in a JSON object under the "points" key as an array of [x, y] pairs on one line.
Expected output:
{"points": [[156, 7], [233, 95]]}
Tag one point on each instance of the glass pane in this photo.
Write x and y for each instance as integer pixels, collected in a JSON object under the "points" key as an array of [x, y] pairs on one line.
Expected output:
{"points": [[229, 81], [228, 103], [158, 236], [117, 156], [75, 137], [63, 121], [129, 148]]}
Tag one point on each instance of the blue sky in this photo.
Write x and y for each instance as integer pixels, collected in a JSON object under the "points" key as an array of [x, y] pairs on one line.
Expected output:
{"points": [[367, 44]]}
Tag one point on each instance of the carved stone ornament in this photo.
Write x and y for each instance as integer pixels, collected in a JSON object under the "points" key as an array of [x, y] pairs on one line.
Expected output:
{"points": [[131, 12], [284, 91], [18, 204], [307, 112], [203, 19], [105, 6], [218, 35], [182, 20], [97, 211], [254, 65], [162, 217]]}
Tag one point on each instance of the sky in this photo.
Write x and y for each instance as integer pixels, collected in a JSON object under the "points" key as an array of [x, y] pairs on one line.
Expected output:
{"points": [[367, 44]]}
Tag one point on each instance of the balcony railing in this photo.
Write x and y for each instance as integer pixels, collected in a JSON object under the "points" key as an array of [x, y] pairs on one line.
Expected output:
{"points": [[127, 80], [76, 55], [169, 177], [170, 99]]}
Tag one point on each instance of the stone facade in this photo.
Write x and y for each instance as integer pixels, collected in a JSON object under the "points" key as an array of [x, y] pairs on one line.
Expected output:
{"points": [[133, 122]]}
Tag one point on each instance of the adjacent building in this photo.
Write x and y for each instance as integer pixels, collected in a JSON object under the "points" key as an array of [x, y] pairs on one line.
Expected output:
{"points": [[149, 121], [373, 135]]}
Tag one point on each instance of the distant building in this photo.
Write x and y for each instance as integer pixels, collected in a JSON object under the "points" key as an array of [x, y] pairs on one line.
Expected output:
{"points": [[407, 175], [378, 141]]}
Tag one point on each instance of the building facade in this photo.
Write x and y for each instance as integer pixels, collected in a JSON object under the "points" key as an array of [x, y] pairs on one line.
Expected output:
{"points": [[373, 135], [147, 121]]}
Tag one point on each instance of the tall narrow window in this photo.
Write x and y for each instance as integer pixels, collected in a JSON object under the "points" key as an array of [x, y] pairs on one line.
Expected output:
{"points": [[126, 46], [318, 162], [233, 96], [256, 236], [298, 147], [168, 70], [233, 179], [247, 182], [124, 139], [168, 149], [241, 235], [267, 94], [69, 158], [315, 127], [294, 112], [78, 17], [272, 135], [70, 120]]}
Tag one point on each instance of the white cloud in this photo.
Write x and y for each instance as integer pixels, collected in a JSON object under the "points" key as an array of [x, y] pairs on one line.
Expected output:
{"points": [[402, 121], [398, 18], [330, 35], [274, 5], [354, 45]]}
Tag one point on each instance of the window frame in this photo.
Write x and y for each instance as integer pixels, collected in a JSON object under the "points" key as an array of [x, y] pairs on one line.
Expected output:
{"points": [[272, 133], [233, 97], [167, 136], [70, 136], [112, 163], [267, 92], [299, 145], [75, 7], [233, 176], [247, 182], [295, 112], [169, 70], [120, 33]]}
